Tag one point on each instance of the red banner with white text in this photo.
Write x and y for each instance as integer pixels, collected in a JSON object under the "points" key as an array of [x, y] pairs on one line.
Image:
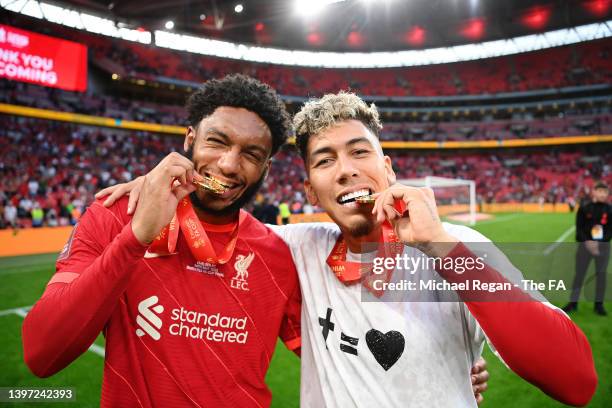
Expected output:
{"points": [[39, 59]]}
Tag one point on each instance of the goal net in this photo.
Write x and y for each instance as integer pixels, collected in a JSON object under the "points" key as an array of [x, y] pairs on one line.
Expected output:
{"points": [[455, 198]]}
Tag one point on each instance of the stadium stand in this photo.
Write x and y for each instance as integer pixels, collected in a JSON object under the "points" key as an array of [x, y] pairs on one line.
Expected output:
{"points": [[499, 129], [582, 64], [560, 124], [59, 166]]}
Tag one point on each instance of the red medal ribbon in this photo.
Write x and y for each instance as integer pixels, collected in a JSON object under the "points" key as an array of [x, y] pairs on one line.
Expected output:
{"points": [[195, 235], [165, 242], [348, 271], [351, 272]]}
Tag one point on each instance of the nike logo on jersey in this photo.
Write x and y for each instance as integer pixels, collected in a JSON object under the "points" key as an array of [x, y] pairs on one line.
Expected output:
{"points": [[149, 255]]}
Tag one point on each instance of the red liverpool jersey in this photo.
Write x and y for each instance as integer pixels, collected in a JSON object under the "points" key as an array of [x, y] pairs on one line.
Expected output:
{"points": [[178, 332]]}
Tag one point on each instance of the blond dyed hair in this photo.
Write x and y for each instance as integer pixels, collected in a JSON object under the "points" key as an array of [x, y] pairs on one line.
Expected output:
{"points": [[320, 114]]}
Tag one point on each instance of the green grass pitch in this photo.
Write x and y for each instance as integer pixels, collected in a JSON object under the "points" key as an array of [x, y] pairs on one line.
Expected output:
{"points": [[23, 280]]}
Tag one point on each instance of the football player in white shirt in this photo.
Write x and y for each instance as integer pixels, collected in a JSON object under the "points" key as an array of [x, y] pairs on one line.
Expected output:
{"points": [[402, 352]]}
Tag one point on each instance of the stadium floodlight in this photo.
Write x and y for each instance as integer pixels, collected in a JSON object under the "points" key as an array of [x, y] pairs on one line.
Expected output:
{"points": [[238, 8], [169, 25], [308, 8]]}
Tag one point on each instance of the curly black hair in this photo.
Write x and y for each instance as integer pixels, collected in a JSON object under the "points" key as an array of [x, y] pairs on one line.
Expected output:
{"points": [[241, 91]]}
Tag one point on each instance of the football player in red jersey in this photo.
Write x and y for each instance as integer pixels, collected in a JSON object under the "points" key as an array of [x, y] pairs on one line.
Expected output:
{"points": [[190, 292]]}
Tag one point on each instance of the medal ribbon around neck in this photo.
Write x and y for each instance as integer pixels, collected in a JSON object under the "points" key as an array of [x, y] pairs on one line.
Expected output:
{"points": [[349, 272], [199, 244]]}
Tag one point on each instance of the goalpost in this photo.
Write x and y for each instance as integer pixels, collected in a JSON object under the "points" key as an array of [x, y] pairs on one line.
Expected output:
{"points": [[453, 196]]}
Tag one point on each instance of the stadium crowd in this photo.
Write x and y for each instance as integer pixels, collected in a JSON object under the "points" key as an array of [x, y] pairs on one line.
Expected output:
{"points": [[57, 167], [50, 171]]}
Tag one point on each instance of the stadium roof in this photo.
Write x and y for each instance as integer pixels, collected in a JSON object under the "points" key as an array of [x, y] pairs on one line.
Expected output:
{"points": [[351, 25], [170, 38]]}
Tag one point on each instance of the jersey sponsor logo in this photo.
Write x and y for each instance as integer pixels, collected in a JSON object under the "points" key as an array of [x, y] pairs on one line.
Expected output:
{"points": [[147, 318], [239, 281], [208, 326], [190, 324]]}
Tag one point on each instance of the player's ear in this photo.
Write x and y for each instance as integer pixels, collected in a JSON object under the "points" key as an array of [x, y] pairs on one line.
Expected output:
{"points": [[391, 177], [189, 138], [310, 193]]}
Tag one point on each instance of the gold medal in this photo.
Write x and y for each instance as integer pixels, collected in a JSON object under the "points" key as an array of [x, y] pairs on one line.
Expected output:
{"points": [[366, 199], [213, 185]]}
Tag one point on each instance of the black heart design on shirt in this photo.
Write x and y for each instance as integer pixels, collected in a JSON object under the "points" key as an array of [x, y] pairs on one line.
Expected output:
{"points": [[386, 348]]}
